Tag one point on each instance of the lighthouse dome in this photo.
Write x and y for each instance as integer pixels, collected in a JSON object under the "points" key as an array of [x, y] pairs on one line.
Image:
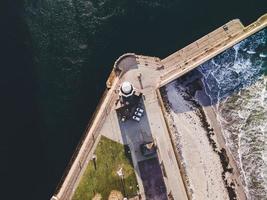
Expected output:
{"points": [[126, 87]]}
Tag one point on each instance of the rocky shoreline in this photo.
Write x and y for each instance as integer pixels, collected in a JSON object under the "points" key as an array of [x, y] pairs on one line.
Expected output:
{"points": [[184, 101]]}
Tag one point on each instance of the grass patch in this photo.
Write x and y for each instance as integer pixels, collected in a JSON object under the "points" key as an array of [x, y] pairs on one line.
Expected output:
{"points": [[111, 156]]}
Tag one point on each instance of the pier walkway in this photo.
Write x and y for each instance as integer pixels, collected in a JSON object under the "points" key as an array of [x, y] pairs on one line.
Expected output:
{"points": [[148, 74]]}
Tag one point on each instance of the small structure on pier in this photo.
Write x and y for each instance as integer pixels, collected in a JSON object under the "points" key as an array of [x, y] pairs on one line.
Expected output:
{"points": [[126, 93], [128, 99]]}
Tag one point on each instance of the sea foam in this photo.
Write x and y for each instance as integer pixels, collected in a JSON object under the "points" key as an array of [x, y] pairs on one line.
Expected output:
{"points": [[236, 84]]}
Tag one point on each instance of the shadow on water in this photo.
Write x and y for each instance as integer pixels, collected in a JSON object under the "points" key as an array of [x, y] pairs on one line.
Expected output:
{"points": [[228, 73]]}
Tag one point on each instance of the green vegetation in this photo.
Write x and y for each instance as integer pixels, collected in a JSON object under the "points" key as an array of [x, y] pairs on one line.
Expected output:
{"points": [[111, 156]]}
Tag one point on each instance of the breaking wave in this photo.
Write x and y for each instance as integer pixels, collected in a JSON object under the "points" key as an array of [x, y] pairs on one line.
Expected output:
{"points": [[236, 83]]}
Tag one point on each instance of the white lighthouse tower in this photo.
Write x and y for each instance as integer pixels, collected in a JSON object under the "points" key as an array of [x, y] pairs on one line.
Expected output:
{"points": [[126, 93], [126, 89]]}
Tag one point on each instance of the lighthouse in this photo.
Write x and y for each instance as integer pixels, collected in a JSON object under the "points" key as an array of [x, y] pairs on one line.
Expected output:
{"points": [[126, 93], [126, 89]]}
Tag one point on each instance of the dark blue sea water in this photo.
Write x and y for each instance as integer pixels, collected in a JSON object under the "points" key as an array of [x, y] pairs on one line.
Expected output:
{"points": [[55, 60]]}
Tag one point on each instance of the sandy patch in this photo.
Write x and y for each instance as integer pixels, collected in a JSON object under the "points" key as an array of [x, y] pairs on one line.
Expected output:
{"points": [[209, 170], [97, 197], [202, 166], [115, 195]]}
